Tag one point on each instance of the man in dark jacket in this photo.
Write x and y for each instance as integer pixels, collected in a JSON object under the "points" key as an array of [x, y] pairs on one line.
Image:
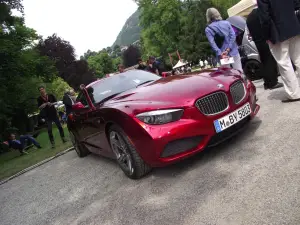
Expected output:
{"points": [[269, 70], [281, 29], [46, 103], [153, 67]]}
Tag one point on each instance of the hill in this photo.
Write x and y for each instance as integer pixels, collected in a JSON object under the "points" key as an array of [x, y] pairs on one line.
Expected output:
{"points": [[130, 31]]}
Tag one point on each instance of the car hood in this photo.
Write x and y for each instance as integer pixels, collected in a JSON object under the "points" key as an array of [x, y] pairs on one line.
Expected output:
{"points": [[180, 90]]}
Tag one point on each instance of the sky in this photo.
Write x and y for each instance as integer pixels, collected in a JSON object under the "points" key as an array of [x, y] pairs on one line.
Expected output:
{"points": [[86, 24]]}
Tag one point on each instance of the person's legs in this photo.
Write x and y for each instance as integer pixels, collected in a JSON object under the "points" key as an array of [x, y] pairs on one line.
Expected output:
{"points": [[295, 52], [61, 131], [237, 63], [50, 134], [280, 52], [269, 69], [23, 143], [31, 139]]}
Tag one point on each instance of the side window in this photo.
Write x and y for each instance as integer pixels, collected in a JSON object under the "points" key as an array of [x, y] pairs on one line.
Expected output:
{"points": [[83, 99], [90, 91]]}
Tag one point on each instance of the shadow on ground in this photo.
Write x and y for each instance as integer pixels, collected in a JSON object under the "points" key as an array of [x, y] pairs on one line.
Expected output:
{"points": [[167, 195]]}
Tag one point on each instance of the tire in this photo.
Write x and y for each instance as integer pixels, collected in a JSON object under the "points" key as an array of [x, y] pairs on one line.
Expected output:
{"points": [[127, 157], [252, 69], [80, 149]]}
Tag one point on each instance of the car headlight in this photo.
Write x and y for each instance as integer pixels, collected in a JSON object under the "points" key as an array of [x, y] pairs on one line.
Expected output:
{"points": [[160, 116]]}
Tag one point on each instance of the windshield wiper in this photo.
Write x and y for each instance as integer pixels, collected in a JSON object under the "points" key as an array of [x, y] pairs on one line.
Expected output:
{"points": [[109, 97], [148, 81]]}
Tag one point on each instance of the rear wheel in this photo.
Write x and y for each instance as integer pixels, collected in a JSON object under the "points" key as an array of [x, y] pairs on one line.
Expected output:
{"points": [[127, 157], [79, 148], [252, 69]]}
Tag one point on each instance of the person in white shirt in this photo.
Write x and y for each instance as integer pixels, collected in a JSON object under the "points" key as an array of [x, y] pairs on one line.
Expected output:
{"points": [[201, 63]]}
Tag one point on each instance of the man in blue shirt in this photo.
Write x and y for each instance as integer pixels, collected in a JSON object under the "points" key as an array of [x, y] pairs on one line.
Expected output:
{"points": [[217, 27], [21, 144]]}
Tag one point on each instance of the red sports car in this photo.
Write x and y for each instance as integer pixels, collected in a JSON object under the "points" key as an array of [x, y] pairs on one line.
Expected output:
{"points": [[144, 121]]}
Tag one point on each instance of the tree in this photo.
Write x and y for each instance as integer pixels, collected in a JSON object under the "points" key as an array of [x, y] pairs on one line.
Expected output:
{"points": [[193, 43], [59, 51], [57, 87], [160, 20], [131, 56], [223, 6], [62, 53], [79, 73], [21, 67], [88, 54], [171, 25], [116, 63], [101, 63]]}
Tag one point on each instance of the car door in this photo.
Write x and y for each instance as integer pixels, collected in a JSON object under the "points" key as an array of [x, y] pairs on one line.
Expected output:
{"points": [[80, 126], [95, 128], [92, 129]]}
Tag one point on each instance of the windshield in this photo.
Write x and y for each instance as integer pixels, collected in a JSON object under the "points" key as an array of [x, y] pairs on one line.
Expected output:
{"points": [[120, 83]]}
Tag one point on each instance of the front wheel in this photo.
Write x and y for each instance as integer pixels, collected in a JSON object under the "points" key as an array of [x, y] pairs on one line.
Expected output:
{"points": [[127, 157], [81, 150]]}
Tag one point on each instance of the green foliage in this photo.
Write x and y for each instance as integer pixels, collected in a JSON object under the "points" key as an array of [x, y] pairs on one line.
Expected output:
{"points": [[116, 62], [101, 63], [193, 42], [88, 54], [62, 54], [223, 5], [161, 26], [57, 87], [131, 56], [21, 66], [171, 25], [116, 52]]}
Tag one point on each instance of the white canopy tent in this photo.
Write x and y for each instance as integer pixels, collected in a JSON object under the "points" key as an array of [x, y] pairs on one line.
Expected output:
{"points": [[180, 64], [243, 8]]}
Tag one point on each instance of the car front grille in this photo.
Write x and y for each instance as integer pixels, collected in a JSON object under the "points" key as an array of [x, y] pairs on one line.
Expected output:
{"points": [[213, 104], [237, 91]]}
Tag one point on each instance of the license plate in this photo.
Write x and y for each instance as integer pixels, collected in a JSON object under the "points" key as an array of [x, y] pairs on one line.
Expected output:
{"points": [[232, 118]]}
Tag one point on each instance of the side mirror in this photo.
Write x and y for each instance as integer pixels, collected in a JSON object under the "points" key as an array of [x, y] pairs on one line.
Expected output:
{"points": [[78, 105]]}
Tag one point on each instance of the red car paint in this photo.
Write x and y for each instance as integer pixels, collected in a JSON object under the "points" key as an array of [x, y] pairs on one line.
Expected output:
{"points": [[175, 92]]}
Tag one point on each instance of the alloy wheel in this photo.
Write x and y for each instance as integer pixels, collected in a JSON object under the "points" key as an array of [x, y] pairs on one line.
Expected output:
{"points": [[120, 149]]}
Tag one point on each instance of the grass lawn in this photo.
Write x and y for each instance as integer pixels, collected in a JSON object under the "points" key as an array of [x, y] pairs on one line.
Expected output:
{"points": [[12, 163]]}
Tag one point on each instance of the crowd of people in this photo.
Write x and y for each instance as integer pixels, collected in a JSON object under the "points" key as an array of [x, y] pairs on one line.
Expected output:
{"points": [[151, 66], [275, 28], [47, 105]]}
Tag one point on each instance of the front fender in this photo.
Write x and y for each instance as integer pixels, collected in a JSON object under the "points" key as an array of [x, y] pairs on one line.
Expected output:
{"points": [[135, 132]]}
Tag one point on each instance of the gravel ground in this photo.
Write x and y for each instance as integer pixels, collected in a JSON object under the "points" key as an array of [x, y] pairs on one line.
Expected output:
{"points": [[252, 179]]}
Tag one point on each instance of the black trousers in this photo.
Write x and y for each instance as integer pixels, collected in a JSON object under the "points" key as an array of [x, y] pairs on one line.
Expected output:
{"points": [[269, 68], [58, 124]]}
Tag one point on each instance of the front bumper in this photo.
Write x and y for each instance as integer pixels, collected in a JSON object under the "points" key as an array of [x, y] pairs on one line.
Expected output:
{"points": [[173, 142]]}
